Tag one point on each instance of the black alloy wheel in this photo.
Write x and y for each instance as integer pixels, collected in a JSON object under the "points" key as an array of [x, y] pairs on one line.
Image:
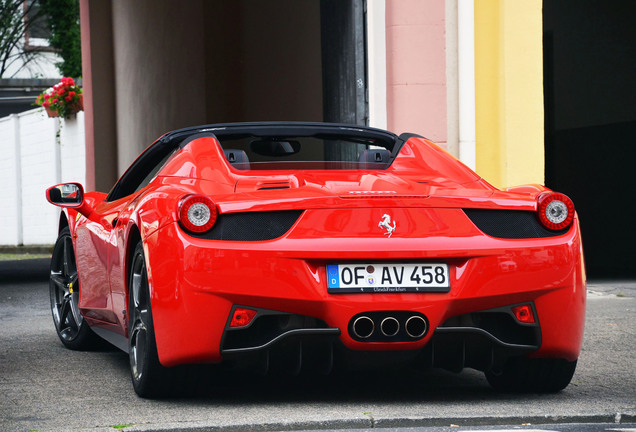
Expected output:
{"points": [[150, 379], [64, 289]]}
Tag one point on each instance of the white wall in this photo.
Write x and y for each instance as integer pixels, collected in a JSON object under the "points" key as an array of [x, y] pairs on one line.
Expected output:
{"points": [[43, 66], [32, 158]]}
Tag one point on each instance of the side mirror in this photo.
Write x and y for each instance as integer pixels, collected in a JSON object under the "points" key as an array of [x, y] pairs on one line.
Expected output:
{"points": [[70, 195]]}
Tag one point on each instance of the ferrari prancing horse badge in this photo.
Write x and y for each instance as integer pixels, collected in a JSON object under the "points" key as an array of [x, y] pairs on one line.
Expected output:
{"points": [[385, 223]]}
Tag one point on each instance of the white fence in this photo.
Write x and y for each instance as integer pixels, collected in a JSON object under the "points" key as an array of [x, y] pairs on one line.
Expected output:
{"points": [[36, 152]]}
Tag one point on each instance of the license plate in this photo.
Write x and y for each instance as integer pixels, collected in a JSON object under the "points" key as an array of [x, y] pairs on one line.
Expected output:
{"points": [[393, 277]]}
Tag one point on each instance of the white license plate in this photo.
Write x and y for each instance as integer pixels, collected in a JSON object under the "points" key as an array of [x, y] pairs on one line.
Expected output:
{"points": [[388, 277]]}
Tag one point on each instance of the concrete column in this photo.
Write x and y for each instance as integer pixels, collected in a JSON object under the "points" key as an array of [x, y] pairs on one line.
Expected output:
{"points": [[416, 69], [466, 80], [99, 94], [159, 67], [376, 54], [452, 78], [509, 91]]}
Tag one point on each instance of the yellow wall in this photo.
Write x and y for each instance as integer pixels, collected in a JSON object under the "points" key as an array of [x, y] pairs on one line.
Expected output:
{"points": [[509, 91]]}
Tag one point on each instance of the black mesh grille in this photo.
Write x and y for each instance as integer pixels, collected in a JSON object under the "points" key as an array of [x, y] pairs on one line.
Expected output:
{"points": [[510, 224], [252, 226]]}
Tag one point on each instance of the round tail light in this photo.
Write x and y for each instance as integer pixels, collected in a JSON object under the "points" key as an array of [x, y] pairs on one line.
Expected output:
{"points": [[197, 213], [555, 210]]}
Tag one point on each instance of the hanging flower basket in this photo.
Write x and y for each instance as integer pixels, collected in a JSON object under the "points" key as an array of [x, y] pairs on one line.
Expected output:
{"points": [[62, 100], [72, 108]]}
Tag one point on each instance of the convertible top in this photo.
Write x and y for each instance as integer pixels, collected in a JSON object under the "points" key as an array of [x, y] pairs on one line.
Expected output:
{"points": [[275, 130], [366, 134]]}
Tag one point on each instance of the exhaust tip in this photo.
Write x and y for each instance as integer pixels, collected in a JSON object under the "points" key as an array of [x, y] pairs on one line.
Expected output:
{"points": [[363, 327], [415, 326], [389, 326]]}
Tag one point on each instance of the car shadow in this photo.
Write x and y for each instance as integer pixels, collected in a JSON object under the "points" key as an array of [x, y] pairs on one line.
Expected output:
{"points": [[214, 384]]}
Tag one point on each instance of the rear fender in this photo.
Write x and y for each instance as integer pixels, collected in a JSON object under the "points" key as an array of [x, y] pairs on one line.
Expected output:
{"points": [[532, 190]]}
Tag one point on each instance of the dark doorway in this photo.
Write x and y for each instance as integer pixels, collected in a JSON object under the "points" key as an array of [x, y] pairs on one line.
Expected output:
{"points": [[590, 124]]}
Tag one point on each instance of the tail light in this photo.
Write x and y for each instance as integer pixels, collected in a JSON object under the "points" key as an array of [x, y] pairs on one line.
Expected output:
{"points": [[197, 213], [555, 210]]}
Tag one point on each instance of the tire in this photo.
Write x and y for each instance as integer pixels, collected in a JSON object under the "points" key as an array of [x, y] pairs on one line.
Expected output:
{"points": [[523, 375], [64, 290], [150, 379]]}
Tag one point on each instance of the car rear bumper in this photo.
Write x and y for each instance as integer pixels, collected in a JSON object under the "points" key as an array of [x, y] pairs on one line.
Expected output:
{"points": [[196, 283]]}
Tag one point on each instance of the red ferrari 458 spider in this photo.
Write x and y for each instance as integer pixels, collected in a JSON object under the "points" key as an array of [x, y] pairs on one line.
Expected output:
{"points": [[308, 246]]}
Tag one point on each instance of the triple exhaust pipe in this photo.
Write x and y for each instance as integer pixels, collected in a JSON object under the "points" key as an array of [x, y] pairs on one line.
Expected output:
{"points": [[389, 327]]}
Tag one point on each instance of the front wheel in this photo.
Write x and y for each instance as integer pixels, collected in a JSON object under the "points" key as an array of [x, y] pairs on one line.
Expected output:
{"points": [[524, 375], [150, 379], [64, 290]]}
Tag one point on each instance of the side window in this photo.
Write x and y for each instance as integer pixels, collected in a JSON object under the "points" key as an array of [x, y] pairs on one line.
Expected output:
{"points": [[143, 170], [151, 175]]}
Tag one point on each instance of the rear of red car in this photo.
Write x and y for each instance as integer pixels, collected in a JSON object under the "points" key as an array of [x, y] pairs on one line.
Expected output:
{"points": [[309, 264]]}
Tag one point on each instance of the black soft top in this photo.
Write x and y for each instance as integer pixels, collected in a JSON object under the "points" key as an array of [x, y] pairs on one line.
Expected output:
{"points": [[365, 134]]}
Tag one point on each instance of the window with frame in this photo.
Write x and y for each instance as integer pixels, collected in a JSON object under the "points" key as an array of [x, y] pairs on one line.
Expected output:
{"points": [[37, 32]]}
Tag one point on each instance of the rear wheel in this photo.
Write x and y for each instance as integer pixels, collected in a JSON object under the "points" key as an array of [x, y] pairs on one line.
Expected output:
{"points": [[64, 290], [524, 375], [150, 379]]}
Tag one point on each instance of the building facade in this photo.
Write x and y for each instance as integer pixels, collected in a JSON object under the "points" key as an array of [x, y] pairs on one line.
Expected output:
{"points": [[498, 83]]}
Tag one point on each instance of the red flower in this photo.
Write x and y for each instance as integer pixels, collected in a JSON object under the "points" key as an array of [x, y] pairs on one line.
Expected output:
{"points": [[63, 97]]}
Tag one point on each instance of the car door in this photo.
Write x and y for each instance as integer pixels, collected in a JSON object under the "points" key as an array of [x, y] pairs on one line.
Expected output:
{"points": [[93, 245], [132, 185]]}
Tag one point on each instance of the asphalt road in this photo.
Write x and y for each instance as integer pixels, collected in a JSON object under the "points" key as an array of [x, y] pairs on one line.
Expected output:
{"points": [[45, 387]]}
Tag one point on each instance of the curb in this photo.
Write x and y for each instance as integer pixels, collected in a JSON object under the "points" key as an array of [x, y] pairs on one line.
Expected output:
{"points": [[354, 425], [616, 418], [25, 250]]}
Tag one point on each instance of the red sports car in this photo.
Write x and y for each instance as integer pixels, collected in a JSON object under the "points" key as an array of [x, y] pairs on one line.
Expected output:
{"points": [[309, 245]]}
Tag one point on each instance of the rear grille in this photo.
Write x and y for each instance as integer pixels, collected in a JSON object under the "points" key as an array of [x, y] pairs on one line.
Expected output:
{"points": [[251, 226], [510, 224]]}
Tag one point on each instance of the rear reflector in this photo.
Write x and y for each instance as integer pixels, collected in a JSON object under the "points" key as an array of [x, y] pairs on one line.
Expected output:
{"points": [[524, 314], [242, 317]]}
